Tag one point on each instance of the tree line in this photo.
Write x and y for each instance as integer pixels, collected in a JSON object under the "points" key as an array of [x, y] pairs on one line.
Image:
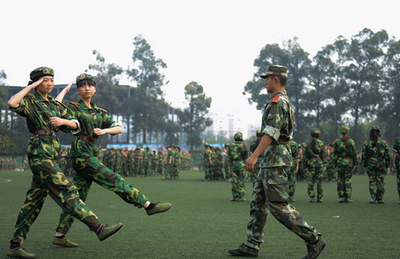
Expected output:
{"points": [[142, 107], [352, 81]]}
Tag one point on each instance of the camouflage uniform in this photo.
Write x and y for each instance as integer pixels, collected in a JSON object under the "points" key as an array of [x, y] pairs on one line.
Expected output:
{"points": [[88, 167], [396, 162], [270, 193], [316, 159], [376, 160], [207, 162], [294, 147], [47, 177], [238, 153], [344, 158], [253, 146]]}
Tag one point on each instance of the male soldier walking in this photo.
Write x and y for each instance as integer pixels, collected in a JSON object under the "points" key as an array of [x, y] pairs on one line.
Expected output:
{"points": [[270, 193]]}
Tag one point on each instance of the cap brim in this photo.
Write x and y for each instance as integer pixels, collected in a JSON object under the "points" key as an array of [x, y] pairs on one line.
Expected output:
{"points": [[264, 76]]}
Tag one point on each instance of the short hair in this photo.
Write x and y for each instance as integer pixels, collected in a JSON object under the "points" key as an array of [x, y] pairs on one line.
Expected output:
{"points": [[86, 82], [282, 79]]}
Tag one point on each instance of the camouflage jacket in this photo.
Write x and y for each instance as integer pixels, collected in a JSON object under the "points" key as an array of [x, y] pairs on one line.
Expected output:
{"points": [[375, 156], [238, 153], [277, 122], [396, 149], [342, 155], [294, 148], [37, 112], [316, 157], [89, 119]]}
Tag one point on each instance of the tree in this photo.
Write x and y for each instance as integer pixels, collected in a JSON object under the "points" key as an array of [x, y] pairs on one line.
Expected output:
{"points": [[388, 110], [363, 71], [148, 96], [3, 92], [193, 118], [296, 60]]}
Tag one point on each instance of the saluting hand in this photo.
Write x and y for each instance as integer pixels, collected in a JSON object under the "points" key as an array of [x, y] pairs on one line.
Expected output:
{"points": [[36, 83]]}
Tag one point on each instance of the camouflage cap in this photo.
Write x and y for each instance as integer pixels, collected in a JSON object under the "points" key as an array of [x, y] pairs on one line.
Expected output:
{"points": [[344, 129], [238, 136], [39, 72], [374, 127], [275, 70], [84, 76], [315, 131]]}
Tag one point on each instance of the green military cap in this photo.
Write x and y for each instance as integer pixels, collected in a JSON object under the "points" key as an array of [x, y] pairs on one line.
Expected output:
{"points": [[39, 72], [315, 131], [84, 76], [275, 70], [344, 129], [238, 136], [374, 127]]}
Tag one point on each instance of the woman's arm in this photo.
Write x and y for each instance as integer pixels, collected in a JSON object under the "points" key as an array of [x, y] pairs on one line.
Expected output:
{"points": [[113, 130], [17, 98], [62, 94]]}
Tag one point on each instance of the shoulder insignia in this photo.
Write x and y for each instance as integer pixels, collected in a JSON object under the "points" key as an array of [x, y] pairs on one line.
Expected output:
{"points": [[74, 103], [101, 109], [275, 99], [334, 141]]}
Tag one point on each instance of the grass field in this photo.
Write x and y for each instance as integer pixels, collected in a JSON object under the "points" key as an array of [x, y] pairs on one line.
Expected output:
{"points": [[204, 223]]}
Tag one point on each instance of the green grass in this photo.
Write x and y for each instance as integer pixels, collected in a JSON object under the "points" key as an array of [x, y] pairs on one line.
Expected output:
{"points": [[204, 223]]}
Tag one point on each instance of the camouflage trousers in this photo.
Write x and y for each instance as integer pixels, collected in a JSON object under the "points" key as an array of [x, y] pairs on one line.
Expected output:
{"points": [[344, 173], [292, 182], [48, 179], [237, 181], [315, 175], [207, 171], [270, 195], [91, 170], [376, 182]]}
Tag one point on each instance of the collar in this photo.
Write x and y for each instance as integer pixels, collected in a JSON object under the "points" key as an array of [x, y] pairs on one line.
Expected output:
{"points": [[41, 99], [84, 106]]}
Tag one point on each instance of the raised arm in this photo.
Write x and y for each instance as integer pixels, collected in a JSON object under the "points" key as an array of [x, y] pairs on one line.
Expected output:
{"points": [[62, 94], [17, 98]]}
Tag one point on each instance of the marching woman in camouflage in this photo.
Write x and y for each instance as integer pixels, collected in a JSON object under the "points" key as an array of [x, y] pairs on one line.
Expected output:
{"points": [[345, 159], [95, 122], [316, 159], [45, 116], [376, 160]]}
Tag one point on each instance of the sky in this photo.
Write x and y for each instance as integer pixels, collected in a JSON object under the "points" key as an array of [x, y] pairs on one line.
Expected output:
{"points": [[211, 42]]}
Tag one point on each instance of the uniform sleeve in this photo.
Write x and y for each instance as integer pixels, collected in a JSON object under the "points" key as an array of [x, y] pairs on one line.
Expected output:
{"points": [[23, 107], [108, 122], [273, 121], [64, 113]]}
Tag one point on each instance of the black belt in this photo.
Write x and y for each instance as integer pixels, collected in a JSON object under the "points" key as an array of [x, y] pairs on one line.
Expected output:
{"points": [[88, 139], [45, 133]]}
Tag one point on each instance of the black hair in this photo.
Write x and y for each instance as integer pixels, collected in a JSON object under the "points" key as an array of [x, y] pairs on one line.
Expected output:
{"points": [[315, 136], [374, 135], [86, 82], [282, 79]]}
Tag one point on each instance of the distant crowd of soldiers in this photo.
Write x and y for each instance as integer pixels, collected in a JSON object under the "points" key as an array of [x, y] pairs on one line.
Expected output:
{"points": [[216, 165], [140, 162], [8, 163]]}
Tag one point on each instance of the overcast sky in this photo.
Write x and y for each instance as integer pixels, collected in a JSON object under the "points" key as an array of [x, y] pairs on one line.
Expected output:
{"points": [[212, 42]]}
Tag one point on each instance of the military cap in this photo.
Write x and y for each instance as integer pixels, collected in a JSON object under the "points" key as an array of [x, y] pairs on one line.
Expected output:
{"points": [[39, 72], [374, 127], [275, 70], [344, 129], [238, 136], [84, 76], [315, 131]]}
